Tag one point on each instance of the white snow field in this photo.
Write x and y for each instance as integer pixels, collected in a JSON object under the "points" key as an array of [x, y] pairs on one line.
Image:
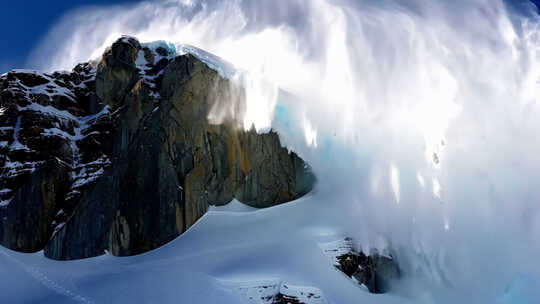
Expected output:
{"points": [[225, 258]]}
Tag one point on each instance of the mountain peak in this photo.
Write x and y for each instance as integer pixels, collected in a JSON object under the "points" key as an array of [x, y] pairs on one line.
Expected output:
{"points": [[120, 155]]}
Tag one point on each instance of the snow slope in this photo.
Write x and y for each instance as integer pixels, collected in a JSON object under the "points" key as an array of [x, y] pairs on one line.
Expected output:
{"points": [[221, 259], [232, 255]]}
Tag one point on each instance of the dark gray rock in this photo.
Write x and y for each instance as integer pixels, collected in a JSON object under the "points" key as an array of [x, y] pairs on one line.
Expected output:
{"points": [[117, 71], [386, 272], [285, 299], [43, 170], [25, 223], [375, 271], [86, 232]]}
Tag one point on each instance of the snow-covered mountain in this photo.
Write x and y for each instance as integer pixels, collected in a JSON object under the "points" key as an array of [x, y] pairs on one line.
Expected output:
{"points": [[418, 118], [121, 156]]}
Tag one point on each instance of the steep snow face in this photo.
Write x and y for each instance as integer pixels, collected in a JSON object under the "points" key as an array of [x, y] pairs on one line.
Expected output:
{"points": [[224, 68]]}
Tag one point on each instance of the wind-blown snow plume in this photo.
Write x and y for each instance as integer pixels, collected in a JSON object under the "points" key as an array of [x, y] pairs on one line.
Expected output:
{"points": [[420, 118]]}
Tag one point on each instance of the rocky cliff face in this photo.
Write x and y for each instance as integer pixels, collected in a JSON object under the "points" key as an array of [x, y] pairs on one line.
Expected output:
{"points": [[119, 155]]}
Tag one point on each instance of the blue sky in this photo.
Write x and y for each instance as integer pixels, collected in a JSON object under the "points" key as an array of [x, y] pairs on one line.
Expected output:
{"points": [[25, 23]]}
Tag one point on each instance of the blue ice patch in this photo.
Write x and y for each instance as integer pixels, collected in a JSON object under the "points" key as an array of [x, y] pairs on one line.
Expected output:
{"points": [[171, 48]]}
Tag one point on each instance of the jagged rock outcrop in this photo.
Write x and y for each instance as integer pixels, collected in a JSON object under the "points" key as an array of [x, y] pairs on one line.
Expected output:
{"points": [[120, 155], [52, 146], [374, 271], [275, 291]]}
